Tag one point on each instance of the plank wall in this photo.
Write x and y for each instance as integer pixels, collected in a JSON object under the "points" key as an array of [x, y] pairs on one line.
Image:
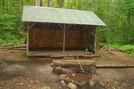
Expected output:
{"points": [[48, 38]]}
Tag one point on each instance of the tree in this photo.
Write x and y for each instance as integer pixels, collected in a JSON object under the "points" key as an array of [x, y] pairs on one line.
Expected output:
{"points": [[127, 6], [37, 2], [48, 3]]}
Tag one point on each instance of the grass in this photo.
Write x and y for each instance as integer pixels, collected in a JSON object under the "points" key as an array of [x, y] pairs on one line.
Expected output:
{"points": [[23, 55], [107, 54], [129, 49], [131, 55], [1, 62]]}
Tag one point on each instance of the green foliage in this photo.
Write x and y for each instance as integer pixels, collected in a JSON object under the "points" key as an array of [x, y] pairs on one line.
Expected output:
{"points": [[127, 6], [10, 23], [129, 49], [2, 42], [12, 37], [60, 3], [102, 45], [23, 55], [131, 55], [1, 62], [7, 21], [107, 54]]}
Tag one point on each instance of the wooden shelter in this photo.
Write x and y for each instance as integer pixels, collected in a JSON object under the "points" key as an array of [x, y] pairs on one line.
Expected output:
{"points": [[58, 30]]}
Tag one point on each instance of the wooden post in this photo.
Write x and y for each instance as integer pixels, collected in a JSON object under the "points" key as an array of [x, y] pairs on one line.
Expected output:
{"points": [[27, 37], [64, 37], [108, 48], [94, 40]]}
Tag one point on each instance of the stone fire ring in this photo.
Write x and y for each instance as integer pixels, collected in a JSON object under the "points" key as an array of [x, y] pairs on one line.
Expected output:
{"points": [[73, 74]]}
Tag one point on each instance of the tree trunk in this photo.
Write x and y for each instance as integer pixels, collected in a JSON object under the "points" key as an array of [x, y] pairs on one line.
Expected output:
{"points": [[128, 20], [21, 4], [37, 2], [48, 4], [108, 48]]}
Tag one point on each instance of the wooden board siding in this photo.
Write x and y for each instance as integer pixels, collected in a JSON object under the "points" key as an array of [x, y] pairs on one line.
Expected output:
{"points": [[48, 38]]}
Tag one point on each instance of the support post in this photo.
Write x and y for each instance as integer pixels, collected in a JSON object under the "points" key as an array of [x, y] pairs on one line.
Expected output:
{"points": [[95, 40], [27, 37], [64, 36]]}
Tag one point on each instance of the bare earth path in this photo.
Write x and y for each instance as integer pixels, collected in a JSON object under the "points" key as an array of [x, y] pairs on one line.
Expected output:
{"points": [[20, 72]]}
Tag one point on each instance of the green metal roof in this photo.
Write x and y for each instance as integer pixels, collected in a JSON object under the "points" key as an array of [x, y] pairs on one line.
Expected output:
{"points": [[59, 15]]}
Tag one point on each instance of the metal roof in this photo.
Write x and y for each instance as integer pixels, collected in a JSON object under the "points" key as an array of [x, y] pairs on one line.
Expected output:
{"points": [[59, 15]]}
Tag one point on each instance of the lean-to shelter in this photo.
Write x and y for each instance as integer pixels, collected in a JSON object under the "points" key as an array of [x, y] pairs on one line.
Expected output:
{"points": [[57, 29]]}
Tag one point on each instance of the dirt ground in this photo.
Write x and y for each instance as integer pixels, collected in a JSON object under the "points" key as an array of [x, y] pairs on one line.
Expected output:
{"points": [[19, 72]]}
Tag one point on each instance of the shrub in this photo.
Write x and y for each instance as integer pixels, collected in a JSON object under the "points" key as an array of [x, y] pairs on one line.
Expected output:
{"points": [[2, 42], [102, 45]]}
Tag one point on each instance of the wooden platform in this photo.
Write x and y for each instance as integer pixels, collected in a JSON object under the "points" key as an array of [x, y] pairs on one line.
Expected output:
{"points": [[61, 54]]}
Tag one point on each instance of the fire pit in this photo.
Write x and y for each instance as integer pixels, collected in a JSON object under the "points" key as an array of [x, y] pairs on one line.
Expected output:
{"points": [[79, 75]]}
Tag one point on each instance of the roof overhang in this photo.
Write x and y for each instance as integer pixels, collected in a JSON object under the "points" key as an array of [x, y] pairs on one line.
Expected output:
{"points": [[59, 15]]}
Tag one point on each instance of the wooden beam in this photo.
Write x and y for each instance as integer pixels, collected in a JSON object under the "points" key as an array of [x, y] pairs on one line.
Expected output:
{"points": [[94, 30], [61, 26], [79, 55], [27, 37], [64, 37], [31, 26], [95, 41], [68, 26]]}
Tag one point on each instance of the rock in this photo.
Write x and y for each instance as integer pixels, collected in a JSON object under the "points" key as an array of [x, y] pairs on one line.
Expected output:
{"points": [[59, 70], [62, 76], [46, 87], [79, 83], [62, 82], [72, 86], [21, 83], [51, 64], [64, 70], [14, 67], [91, 83], [68, 79], [82, 83]]}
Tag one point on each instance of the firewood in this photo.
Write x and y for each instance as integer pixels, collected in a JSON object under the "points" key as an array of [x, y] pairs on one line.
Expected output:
{"points": [[74, 63]]}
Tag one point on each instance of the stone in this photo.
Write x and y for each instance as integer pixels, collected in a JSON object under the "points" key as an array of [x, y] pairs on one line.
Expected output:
{"points": [[62, 76], [79, 83], [67, 79], [82, 83], [14, 67], [59, 70], [62, 82], [45, 87], [91, 83], [72, 86]]}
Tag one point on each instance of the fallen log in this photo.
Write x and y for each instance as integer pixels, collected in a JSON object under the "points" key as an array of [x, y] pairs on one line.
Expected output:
{"points": [[76, 55], [13, 47], [7, 45], [74, 63]]}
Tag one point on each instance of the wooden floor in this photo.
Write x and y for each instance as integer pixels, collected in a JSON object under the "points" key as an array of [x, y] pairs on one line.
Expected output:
{"points": [[59, 54]]}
